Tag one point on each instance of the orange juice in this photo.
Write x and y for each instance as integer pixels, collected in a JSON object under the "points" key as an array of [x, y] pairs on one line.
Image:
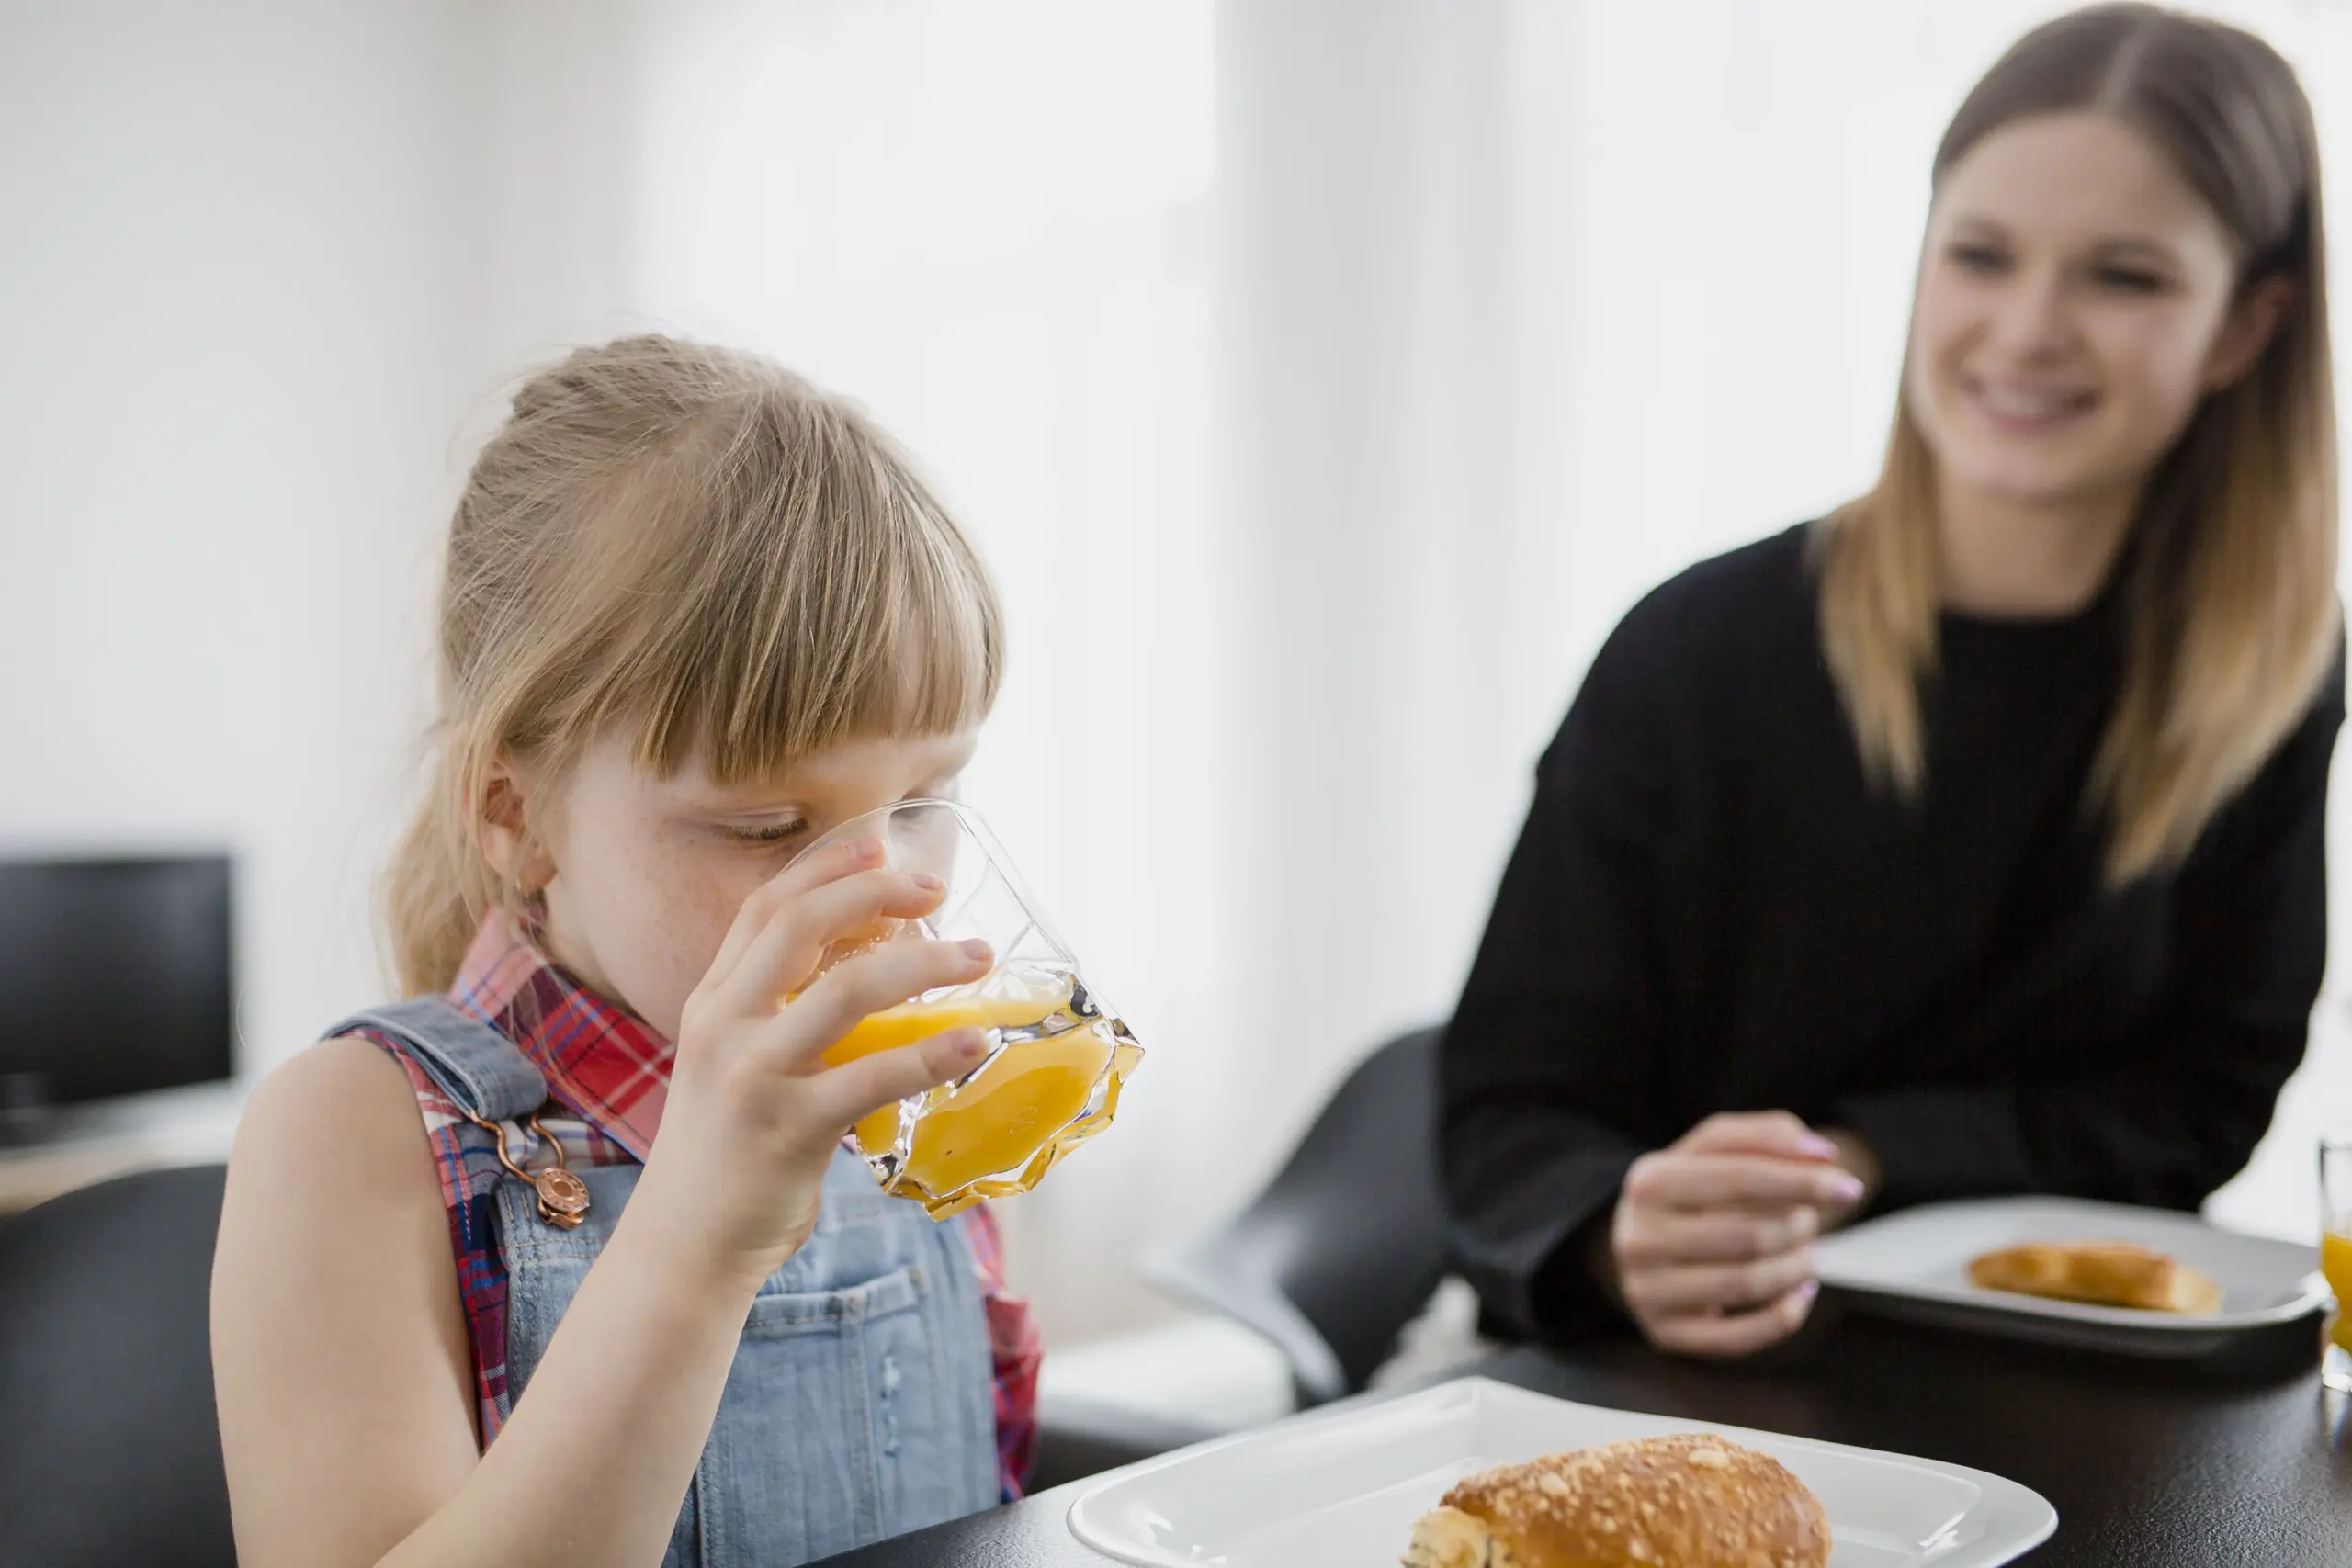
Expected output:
{"points": [[2335, 1262], [1000, 1119], [989, 1007]]}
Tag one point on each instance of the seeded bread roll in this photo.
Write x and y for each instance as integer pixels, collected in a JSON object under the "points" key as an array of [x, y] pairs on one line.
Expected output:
{"points": [[2105, 1273], [1687, 1501]]}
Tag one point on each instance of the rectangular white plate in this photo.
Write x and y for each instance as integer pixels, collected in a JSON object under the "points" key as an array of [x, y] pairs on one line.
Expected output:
{"points": [[1341, 1488], [1914, 1264]]}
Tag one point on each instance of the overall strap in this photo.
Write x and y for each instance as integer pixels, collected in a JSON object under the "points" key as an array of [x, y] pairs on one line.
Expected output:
{"points": [[452, 1056], [476, 1066]]}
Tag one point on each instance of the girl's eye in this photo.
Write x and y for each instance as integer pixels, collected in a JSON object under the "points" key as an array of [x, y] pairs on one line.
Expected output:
{"points": [[769, 833], [2130, 279]]}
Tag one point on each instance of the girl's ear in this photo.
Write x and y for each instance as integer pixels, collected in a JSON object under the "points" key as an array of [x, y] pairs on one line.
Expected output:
{"points": [[2247, 330], [517, 853]]}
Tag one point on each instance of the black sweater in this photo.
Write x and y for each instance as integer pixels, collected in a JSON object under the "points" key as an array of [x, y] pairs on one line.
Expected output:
{"points": [[1711, 908]]}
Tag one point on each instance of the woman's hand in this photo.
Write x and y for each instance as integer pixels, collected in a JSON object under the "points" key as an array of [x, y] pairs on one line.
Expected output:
{"points": [[754, 1114], [1711, 1241]]}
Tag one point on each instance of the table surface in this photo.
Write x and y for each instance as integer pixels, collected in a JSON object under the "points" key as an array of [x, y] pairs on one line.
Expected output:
{"points": [[2241, 1460], [79, 1144]]}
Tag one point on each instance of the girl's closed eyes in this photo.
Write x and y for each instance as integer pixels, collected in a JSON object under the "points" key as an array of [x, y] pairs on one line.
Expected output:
{"points": [[767, 835]]}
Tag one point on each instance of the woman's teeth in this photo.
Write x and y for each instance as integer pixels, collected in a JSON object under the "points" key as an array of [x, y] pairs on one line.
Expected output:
{"points": [[2021, 403]]}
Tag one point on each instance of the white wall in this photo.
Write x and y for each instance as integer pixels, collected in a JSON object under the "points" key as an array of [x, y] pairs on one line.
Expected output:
{"points": [[234, 273]]}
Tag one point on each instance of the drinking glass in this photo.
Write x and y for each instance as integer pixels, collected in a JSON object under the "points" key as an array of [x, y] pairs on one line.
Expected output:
{"points": [[2336, 1255], [1057, 1053]]}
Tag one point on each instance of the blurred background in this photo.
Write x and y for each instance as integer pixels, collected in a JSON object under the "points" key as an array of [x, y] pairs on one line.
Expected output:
{"points": [[1322, 378]]}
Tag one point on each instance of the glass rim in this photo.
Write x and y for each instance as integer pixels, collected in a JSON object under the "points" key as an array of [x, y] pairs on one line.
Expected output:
{"points": [[962, 813], [969, 820]]}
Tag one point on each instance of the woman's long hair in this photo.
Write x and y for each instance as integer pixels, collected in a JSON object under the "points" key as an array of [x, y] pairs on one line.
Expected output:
{"points": [[2231, 594]]}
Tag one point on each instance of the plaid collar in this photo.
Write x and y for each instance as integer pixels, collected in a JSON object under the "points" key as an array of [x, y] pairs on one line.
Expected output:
{"points": [[604, 1066]]}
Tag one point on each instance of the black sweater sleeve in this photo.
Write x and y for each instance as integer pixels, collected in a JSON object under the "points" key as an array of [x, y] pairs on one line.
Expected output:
{"points": [[2180, 1111], [1545, 1084]]}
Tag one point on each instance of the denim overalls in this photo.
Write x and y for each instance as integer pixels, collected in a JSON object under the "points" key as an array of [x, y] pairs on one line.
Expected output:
{"points": [[860, 1404]]}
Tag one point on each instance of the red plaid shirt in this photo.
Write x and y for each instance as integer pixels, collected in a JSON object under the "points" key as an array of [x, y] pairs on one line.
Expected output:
{"points": [[608, 1076]]}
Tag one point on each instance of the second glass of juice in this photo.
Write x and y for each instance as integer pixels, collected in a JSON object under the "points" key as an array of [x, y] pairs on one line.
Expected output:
{"points": [[1057, 1053], [2335, 1255]]}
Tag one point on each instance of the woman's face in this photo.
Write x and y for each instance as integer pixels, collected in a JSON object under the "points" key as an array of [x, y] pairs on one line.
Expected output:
{"points": [[2074, 304], [642, 874]]}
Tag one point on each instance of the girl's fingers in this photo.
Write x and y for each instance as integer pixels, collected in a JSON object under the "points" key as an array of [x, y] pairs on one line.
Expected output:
{"points": [[1649, 1238], [1678, 1179], [1734, 1334], [1676, 1288], [806, 872], [847, 993], [846, 1095], [781, 956]]}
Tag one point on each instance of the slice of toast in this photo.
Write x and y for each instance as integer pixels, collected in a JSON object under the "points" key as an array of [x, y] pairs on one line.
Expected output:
{"points": [[2104, 1273]]}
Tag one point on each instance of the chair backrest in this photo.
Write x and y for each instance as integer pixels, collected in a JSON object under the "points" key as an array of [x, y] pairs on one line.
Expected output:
{"points": [[1343, 1246], [109, 1444]]}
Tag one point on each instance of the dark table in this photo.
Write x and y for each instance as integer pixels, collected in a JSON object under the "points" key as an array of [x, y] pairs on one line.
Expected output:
{"points": [[2242, 1459]]}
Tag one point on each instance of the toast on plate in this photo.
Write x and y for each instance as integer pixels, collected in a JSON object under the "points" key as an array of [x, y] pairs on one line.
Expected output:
{"points": [[2103, 1273]]}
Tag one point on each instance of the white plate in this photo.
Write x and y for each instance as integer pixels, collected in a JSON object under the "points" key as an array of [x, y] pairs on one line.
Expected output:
{"points": [[1915, 1264], [1341, 1488]]}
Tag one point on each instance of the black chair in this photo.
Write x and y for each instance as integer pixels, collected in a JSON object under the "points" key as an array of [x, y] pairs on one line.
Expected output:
{"points": [[109, 1445], [1344, 1246]]}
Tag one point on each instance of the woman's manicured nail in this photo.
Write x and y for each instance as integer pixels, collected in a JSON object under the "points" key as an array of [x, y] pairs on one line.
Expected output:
{"points": [[1817, 1147], [1847, 1186], [976, 950], [927, 882]]}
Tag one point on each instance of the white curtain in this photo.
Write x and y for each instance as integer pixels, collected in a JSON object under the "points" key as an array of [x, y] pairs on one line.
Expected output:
{"points": [[1323, 379]]}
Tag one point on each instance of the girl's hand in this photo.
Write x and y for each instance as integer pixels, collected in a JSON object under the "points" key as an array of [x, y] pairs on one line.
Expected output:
{"points": [[754, 1114], [1713, 1238]]}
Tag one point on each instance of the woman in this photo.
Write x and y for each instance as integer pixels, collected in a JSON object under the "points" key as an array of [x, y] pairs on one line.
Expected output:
{"points": [[1969, 840]]}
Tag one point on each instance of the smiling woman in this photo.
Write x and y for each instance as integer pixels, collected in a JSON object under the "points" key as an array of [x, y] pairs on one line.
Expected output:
{"points": [[2073, 308], [2121, 328], [1971, 839]]}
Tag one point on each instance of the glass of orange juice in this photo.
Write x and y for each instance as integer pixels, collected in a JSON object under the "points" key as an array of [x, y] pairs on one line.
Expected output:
{"points": [[2336, 1255], [1057, 1053]]}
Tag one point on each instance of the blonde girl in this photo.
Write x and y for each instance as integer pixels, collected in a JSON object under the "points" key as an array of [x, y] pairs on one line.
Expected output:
{"points": [[583, 1193]]}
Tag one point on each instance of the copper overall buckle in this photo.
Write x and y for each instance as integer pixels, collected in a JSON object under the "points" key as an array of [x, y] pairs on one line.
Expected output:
{"points": [[563, 1197]]}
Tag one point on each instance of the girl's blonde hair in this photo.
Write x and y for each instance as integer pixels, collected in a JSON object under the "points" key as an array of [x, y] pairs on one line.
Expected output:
{"points": [[2230, 585], [697, 545]]}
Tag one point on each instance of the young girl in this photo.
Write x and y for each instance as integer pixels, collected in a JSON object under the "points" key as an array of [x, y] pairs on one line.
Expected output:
{"points": [[585, 1193], [1970, 841]]}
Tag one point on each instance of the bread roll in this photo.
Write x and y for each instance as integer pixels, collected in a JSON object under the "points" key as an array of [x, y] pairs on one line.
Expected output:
{"points": [[1687, 1501], [2105, 1273]]}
